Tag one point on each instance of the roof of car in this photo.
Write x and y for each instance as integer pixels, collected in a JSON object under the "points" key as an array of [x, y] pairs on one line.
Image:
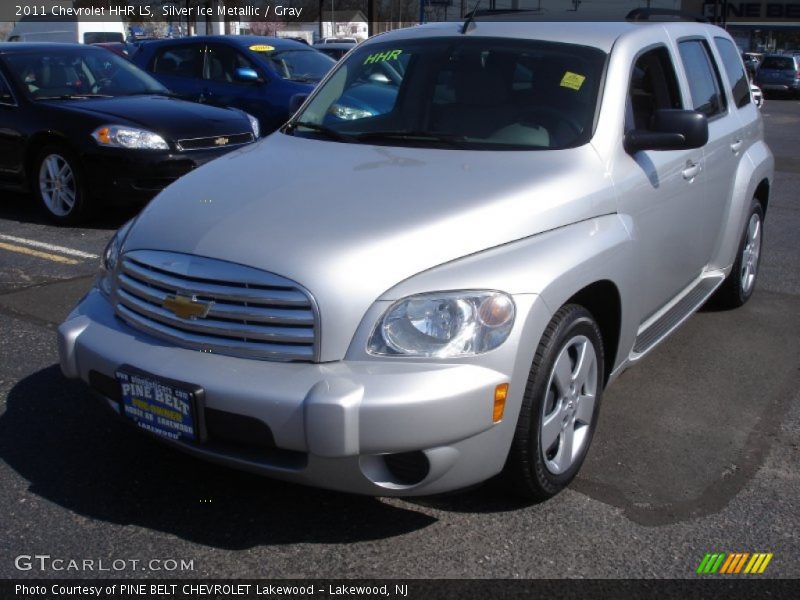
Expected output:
{"points": [[17, 47], [601, 35], [335, 46], [243, 41]]}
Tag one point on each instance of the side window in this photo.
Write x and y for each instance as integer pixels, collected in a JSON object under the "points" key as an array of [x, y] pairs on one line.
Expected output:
{"points": [[222, 62], [735, 71], [5, 93], [704, 85], [180, 61], [653, 86]]}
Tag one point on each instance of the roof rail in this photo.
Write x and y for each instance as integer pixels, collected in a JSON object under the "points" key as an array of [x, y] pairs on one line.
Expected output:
{"points": [[663, 14]]}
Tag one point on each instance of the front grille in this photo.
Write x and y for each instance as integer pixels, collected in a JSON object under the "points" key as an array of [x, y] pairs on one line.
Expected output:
{"points": [[251, 313], [218, 141]]}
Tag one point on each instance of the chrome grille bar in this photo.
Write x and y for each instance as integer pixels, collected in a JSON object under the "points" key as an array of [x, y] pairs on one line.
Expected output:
{"points": [[251, 313]]}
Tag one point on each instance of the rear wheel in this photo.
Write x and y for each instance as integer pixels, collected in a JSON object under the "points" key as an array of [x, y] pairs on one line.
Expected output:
{"points": [[741, 281], [560, 406], [57, 182]]}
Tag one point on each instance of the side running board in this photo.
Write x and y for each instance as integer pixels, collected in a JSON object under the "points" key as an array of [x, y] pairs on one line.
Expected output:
{"points": [[683, 308]]}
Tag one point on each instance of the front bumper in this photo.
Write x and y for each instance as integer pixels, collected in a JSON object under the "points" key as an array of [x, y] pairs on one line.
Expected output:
{"points": [[119, 176], [330, 425]]}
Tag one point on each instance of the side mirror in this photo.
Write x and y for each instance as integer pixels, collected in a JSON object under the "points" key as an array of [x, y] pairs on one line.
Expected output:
{"points": [[245, 74], [296, 102], [672, 129]]}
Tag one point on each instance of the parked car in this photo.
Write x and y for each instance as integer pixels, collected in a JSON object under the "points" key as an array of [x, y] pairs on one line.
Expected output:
{"points": [[256, 74], [66, 29], [539, 207], [118, 48], [335, 50], [758, 95], [780, 73], [81, 126], [339, 40]]}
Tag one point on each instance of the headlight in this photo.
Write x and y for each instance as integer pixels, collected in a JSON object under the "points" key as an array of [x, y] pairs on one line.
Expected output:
{"points": [[348, 113], [254, 125], [110, 257], [121, 136], [444, 325]]}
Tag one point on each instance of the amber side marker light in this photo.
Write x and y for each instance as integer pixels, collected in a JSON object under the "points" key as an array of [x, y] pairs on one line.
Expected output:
{"points": [[500, 395], [103, 135]]}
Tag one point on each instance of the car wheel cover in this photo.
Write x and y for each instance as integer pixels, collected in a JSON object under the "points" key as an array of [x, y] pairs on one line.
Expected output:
{"points": [[750, 254], [57, 185], [568, 407]]}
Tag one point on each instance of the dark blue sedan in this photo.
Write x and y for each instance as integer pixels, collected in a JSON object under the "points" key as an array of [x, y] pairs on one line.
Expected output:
{"points": [[256, 74]]}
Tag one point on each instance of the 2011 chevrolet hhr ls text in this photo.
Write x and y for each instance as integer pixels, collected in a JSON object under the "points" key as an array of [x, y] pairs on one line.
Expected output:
{"points": [[431, 272]]}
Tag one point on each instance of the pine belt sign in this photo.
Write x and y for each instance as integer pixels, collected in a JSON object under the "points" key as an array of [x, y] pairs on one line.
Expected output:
{"points": [[753, 11]]}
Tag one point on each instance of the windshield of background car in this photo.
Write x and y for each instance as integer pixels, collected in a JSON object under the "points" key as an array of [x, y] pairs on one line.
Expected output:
{"points": [[77, 72], [479, 93], [306, 66]]}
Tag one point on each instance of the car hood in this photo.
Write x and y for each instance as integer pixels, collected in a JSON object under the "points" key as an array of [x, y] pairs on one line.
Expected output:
{"points": [[170, 117], [350, 221]]}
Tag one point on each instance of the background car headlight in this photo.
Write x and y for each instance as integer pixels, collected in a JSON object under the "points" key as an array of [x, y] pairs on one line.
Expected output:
{"points": [[110, 258], [254, 125], [120, 136], [444, 324]]}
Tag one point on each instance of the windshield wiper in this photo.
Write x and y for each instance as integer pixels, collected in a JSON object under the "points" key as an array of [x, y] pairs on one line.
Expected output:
{"points": [[166, 93], [326, 131], [449, 139], [73, 96]]}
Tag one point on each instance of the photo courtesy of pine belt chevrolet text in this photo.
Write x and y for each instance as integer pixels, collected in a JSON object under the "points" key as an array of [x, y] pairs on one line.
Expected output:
{"points": [[430, 273]]}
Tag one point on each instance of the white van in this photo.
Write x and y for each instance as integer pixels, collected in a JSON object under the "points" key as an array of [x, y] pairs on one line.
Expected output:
{"points": [[66, 29]]}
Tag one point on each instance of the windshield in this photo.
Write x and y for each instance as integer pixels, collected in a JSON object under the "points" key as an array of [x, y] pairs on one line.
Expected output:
{"points": [[481, 93], [308, 66], [78, 72]]}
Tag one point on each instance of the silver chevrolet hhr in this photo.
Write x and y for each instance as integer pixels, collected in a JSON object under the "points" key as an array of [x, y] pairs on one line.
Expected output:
{"points": [[429, 275]]}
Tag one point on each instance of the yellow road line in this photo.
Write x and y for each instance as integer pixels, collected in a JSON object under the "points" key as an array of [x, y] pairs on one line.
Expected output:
{"points": [[38, 254]]}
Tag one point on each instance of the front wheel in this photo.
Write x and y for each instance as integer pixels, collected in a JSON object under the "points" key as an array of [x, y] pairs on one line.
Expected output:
{"points": [[560, 407], [58, 184]]}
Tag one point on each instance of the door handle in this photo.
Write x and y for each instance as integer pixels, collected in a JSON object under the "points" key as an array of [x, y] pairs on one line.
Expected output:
{"points": [[736, 146], [691, 170]]}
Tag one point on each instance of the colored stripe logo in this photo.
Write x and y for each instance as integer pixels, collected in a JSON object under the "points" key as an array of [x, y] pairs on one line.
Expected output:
{"points": [[734, 563]]}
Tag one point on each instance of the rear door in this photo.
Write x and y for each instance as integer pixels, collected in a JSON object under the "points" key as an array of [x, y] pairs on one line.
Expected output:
{"points": [[11, 137], [724, 148]]}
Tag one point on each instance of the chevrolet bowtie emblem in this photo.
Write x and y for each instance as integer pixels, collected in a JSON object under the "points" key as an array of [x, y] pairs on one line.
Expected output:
{"points": [[187, 307], [221, 141]]}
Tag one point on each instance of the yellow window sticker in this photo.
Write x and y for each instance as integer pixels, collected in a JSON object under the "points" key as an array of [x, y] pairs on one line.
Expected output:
{"points": [[262, 48], [572, 80], [382, 56]]}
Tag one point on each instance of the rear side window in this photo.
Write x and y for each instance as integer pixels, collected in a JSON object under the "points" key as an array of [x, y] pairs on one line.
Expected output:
{"points": [[180, 61], [781, 63], [735, 71], [5, 92], [102, 37], [704, 85]]}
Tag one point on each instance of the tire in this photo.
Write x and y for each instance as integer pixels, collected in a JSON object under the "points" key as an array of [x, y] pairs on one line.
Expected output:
{"points": [[559, 413], [58, 185], [741, 281]]}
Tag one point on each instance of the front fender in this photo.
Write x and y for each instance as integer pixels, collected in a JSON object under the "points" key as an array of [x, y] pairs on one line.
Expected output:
{"points": [[552, 266]]}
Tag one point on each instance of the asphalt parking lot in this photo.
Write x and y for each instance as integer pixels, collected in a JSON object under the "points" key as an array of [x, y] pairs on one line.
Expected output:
{"points": [[697, 450]]}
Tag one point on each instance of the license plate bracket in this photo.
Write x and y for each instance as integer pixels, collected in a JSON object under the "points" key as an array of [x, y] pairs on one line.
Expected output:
{"points": [[164, 407]]}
